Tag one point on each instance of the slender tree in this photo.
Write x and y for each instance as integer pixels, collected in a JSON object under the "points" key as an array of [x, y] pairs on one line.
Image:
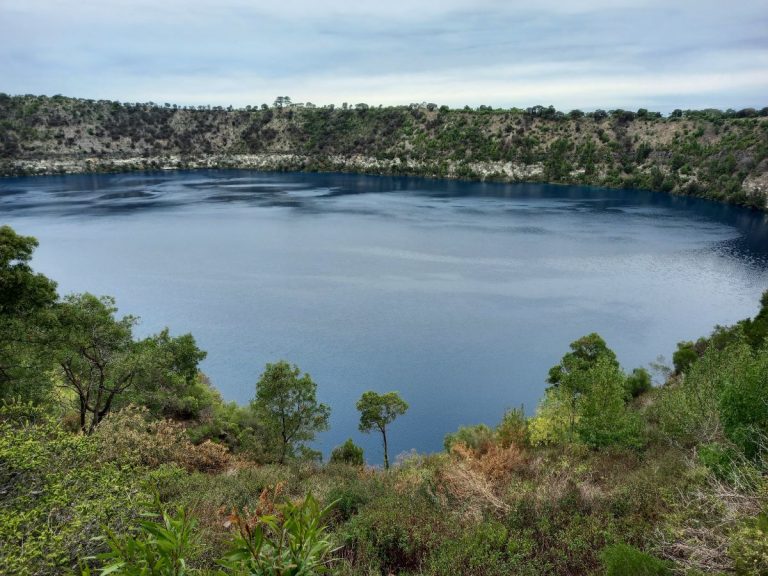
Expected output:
{"points": [[377, 411]]}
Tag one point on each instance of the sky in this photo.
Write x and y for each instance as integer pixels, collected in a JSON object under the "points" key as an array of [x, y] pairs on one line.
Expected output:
{"points": [[587, 54]]}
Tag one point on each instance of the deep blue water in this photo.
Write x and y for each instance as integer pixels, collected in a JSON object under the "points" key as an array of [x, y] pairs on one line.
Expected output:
{"points": [[459, 295]]}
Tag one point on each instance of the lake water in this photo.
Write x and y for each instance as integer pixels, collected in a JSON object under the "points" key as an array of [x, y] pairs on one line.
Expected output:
{"points": [[459, 295]]}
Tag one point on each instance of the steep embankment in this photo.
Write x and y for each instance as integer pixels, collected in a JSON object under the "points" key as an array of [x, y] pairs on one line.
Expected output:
{"points": [[720, 155]]}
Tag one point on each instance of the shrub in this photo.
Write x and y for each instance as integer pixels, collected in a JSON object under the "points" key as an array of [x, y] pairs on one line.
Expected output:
{"points": [[638, 383], [159, 548], [285, 539], [129, 436], [397, 532], [749, 547], [513, 428], [625, 560], [477, 438], [482, 550], [56, 494], [348, 453]]}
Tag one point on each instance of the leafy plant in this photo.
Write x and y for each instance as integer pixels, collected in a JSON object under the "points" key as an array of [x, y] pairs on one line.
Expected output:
{"points": [[283, 540], [159, 549]]}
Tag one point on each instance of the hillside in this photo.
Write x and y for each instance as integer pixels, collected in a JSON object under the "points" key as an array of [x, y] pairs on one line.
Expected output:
{"points": [[709, 153]]}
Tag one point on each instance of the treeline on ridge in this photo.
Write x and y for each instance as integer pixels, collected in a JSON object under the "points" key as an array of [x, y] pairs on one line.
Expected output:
{"points": [[709, 153]]}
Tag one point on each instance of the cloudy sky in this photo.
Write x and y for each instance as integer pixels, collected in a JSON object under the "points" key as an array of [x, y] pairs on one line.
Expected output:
{"points": [[659, 54]]}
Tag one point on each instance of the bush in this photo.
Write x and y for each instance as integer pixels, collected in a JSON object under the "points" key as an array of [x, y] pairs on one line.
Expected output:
{"points": [[749, 547], [159, 548], [397, 532], [56, 494], [482, 550], [348, 453], [287, 539], [477, 438], [129, 436], [513, 428], [638, 383], [625, 560]]}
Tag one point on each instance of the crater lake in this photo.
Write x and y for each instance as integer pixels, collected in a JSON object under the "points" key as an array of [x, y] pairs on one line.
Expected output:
{"points": [[459, 295]]}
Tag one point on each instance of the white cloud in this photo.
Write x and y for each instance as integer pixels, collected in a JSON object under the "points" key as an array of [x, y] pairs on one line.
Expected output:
{"points": [[580, 53]]}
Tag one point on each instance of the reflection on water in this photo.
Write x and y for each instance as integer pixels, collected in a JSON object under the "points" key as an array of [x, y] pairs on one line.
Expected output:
{"points": [[460, 295]]}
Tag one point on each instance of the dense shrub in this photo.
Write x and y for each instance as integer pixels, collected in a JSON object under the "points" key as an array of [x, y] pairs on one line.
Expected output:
{"points": [[348, 453], [625, 560], [56, 494], [131, 436]]}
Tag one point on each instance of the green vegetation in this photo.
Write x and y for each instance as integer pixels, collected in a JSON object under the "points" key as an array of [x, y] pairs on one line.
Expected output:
{"points": [[287, 408], [377, 411], [612, 475], [711, 153]]}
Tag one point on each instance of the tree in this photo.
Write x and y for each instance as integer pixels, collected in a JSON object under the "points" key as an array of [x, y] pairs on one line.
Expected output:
{"points": [[96, 355], [170, 384], [604, 417], [26, 299], [584, 354], [639, 382], [348, 453], [379, 410], [287, 406], [282, 102]]}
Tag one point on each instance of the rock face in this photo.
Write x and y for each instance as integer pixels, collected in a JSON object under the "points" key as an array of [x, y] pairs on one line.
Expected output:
{"points": [[756, 187], [707, 153]]}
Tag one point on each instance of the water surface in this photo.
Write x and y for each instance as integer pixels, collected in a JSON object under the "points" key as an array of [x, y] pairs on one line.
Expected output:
{"points": [[459, 295]]}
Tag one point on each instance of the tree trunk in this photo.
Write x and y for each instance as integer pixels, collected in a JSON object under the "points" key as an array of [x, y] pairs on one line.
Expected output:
{"points": [[386, 456]]}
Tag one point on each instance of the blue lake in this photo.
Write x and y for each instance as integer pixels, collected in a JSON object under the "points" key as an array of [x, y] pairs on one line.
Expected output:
{"points": [[459, 295]]}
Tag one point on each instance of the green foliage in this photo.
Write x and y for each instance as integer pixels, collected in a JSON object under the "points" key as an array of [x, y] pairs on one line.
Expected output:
{"points": [[159, 547], [169, 383], [722, 460], [377, 411], [749, 547], [625, 560], [348, 453], [584, 354], [604, 418], [587, 400], [513, 428], [478, 437], [756, 329], [292, 541], [287, 405], [743, 388], [55, 494], [95, 354], [26, 300], [481, 550], [638, 383], [397, 532], [685, 355]]}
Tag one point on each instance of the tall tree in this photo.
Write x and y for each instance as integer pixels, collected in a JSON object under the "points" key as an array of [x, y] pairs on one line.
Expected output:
{"points": [[26, 299], [287, 406], [377, 411]]}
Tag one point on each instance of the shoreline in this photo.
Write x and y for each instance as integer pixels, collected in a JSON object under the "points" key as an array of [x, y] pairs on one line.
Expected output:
{"points": [[756, 189]]}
